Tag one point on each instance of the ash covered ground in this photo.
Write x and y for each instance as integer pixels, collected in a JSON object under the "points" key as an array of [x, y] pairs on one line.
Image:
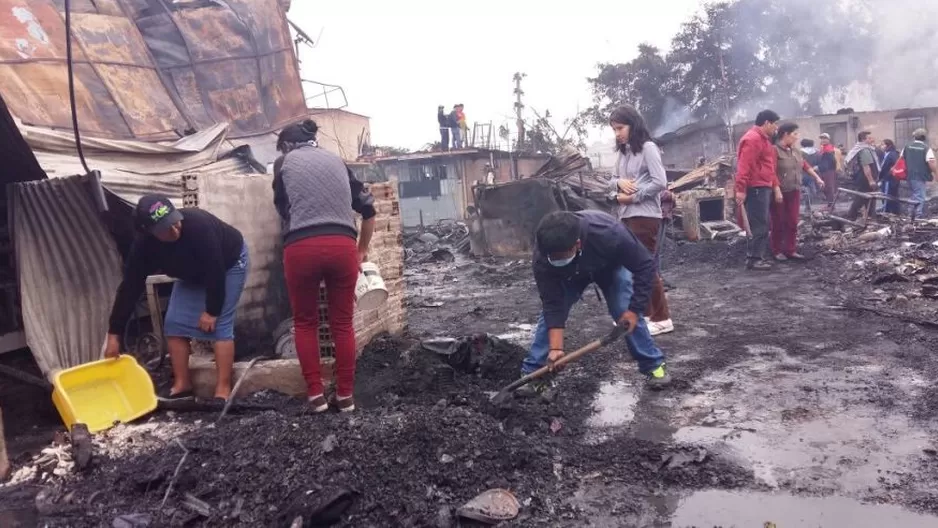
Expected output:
{"points": [[784, 403]]}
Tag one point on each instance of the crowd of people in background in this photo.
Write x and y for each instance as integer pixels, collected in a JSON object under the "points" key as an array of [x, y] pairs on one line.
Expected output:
{"points": [[774, 165], [453, 127]]}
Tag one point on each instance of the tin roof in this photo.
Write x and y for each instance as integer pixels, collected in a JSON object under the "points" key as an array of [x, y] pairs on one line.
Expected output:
{"points": [[151, 70]]}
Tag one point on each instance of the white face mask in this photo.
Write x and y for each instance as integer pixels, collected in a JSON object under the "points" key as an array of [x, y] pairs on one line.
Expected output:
{"points": [[561, 263]]}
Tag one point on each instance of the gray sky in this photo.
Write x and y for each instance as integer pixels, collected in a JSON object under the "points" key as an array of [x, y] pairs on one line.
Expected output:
{"points": [[398, 60]]}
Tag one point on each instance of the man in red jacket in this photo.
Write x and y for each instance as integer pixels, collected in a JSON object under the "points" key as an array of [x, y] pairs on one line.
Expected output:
{"points": [[757, 184]]}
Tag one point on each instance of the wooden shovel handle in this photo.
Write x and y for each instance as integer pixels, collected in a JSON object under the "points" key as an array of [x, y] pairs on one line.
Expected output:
{"points": [[599, 343]]}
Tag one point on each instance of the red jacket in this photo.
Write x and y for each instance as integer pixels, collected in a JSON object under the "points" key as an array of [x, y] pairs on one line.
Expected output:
{"points": [[756, 161]]}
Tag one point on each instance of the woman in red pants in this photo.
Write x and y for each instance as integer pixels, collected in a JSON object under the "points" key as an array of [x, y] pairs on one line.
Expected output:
{"points": [[317, 197], [784, 213]]}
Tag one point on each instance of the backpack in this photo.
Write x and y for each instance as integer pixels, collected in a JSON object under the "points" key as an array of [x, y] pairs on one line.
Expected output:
{"points": [[853, 167], [899, 170]]}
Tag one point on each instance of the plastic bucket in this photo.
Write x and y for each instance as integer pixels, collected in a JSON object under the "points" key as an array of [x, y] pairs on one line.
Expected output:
{"points": [[370, 292]]}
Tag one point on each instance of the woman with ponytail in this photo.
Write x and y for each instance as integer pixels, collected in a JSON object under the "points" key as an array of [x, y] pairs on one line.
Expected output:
{"points": [[317, 197]]}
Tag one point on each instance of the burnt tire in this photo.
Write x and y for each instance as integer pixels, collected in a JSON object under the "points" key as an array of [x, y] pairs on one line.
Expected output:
{"points": [[150, 350], [285, 347], [284, 328]]}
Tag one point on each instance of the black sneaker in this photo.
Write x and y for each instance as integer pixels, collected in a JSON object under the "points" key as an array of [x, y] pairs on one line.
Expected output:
{"points": [[167, 395], [758, 265]]}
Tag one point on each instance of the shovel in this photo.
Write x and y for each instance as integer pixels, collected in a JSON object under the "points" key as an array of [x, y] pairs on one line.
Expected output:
{"points": [[505, 393], [745, 216]]}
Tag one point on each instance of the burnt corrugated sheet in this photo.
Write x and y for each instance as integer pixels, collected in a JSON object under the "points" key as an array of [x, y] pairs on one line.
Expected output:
{"points": [[69, 269], [151, 69]]}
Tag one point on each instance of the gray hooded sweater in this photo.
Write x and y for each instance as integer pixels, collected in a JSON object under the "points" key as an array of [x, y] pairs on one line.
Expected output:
{"points": [[317, 195]]}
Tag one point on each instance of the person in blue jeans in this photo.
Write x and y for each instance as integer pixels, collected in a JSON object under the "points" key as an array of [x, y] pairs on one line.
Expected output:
{"points": [[574, 250], [920, 167]]}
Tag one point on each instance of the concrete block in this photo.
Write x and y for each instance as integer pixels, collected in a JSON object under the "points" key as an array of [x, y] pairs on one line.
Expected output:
{"points": [[4, 460], [282, 375]]}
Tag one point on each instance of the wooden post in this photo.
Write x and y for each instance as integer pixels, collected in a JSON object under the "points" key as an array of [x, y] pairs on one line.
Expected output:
{"points": [[4, 461]]}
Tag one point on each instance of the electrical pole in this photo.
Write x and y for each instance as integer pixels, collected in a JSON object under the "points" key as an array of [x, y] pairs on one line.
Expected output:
{"points": [[519, 106]]}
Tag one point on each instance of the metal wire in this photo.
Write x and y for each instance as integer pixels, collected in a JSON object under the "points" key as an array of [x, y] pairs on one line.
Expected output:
{"points": [[71, 83]]}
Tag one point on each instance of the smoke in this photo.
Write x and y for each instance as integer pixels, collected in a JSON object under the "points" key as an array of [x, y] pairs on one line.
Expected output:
{"points": [[674, 116], [876, 56], [905, 61]]}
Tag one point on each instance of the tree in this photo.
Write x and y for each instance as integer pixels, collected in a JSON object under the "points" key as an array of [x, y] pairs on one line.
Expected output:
{"points": [[643, 82], [737, 57], [542, 136]]}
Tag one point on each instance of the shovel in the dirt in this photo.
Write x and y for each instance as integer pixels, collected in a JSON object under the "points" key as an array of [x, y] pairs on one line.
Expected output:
{"points": [[505, 393]]}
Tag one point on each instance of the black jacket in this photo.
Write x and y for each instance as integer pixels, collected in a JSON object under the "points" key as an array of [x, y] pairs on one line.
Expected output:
{"points": [[607, 245], [827, 161], [889, 161], [204, 253]]}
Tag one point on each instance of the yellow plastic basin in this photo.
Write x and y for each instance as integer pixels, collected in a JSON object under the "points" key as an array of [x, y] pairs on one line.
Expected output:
{"points": [[102, 393]]}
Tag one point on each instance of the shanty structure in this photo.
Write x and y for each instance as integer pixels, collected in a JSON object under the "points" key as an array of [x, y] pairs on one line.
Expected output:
{"points": [[682, 149], [705, 202], [438, 186], [178, 98], [507, 214]]}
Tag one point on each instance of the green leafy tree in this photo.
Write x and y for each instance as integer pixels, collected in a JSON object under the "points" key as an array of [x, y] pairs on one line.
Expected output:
{"points": [[643, 82]]}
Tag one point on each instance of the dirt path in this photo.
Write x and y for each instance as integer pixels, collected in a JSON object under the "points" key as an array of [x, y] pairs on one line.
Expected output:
{"points": [[812, 400], [784, 408]]}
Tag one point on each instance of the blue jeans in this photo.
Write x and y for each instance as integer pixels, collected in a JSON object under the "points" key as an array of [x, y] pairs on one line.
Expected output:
{"points": [[919, 193], [618, 294]]}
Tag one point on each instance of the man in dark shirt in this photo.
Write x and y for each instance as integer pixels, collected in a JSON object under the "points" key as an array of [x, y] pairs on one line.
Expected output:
{"points": [[210, 260], [574, 250], [443, 120]]}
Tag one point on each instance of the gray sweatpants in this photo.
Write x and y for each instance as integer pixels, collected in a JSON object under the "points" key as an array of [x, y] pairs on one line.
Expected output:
{"points": [[757, 207]]}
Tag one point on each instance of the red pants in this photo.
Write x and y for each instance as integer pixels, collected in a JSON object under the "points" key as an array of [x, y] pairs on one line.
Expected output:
{"points": [[306, 263], [784, 223]]}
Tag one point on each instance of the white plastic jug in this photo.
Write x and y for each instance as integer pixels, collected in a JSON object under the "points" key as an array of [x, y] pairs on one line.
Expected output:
{"points": [[370, 292]]}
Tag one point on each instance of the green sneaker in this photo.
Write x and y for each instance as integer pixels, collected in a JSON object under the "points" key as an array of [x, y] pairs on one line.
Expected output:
{"points": [[658, 378], [533, 389]]}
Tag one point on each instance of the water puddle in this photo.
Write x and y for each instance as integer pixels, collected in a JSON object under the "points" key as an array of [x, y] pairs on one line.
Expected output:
{"points": [[614, 405], [613, 408], [520, 333], [743, 510]]}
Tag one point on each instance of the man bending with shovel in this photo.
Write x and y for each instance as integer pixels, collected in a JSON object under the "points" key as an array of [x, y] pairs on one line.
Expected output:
{"points": [[574, 250]]}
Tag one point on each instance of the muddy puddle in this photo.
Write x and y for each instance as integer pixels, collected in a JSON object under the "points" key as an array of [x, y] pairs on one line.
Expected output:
{"points": [[743, 510]]}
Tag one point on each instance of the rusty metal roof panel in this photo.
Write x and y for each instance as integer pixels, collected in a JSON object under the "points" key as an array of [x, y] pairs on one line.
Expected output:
{"points": [[150, 69], [36, 92], [69, 269]]}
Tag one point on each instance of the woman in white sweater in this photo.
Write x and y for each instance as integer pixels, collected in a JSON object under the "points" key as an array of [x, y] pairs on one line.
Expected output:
{"points": [[640, 179]]}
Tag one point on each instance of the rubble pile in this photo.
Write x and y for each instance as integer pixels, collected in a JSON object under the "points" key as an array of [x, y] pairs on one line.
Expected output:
{"points": [[425, 414], [892, 263], [437, 243]]}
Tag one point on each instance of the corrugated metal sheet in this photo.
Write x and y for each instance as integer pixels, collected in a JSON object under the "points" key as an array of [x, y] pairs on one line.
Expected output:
{"points": [[150, 69], [69, 269]]}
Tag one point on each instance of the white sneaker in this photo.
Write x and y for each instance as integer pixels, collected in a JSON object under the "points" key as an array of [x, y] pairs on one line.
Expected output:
{"points": [[660, 327]]}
